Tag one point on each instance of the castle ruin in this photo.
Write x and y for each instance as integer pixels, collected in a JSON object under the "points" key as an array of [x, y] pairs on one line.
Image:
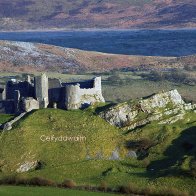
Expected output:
{"points": [[43, 92]]}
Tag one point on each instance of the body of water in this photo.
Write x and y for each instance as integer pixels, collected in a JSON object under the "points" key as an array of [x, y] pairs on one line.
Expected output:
{"points": [[132, 42]]}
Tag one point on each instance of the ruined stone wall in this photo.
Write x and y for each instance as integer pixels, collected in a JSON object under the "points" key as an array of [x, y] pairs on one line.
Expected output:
{"points": [[55, 92], [2, 92], [77, 97], [2, 108], [25, 96], [3, 95], [7, 107], [25, 88], [16, 101], [28, 104]]}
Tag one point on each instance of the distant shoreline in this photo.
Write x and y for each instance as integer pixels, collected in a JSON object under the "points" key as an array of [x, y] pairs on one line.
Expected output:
{"points": [[93, 30], [114, 41]]}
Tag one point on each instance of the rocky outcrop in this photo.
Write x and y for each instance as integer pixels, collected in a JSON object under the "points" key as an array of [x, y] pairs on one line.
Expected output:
{"points": [[166, 107], [27, 166]]}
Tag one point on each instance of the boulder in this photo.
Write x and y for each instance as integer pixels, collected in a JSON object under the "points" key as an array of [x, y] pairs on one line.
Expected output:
{"points": [[140, 112], [28, 165], [115, 155], [132, 154]]}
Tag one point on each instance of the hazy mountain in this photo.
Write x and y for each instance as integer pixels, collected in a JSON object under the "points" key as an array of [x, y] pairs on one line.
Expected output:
{"points": [[33, 14]]}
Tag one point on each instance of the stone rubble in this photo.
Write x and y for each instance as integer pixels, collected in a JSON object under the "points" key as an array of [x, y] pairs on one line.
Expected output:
{"points": [[8, 126]]}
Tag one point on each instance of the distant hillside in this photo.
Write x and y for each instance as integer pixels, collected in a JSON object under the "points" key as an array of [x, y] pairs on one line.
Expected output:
{"points": [[29, 57], [42, 14]]}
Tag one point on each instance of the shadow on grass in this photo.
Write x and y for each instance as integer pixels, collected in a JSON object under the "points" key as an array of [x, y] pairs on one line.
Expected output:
{"points": [[12, 118], [104, 108], [183, 146], [129, 165], [135, 129]]}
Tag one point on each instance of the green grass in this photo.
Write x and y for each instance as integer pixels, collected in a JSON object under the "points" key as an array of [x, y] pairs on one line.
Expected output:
{"points": [[100, 138], [137, 88], [5, 117], [45, 191], [67, 160], [169, 138]]}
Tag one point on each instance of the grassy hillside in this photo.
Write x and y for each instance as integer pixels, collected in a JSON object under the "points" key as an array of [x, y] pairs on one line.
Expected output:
{"points": [[164, 160], [32, 14], [5, 117], [100, 137], [20, 57]]}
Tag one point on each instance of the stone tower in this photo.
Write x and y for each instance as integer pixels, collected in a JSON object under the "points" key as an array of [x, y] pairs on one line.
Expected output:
{"points": [[41, 90], [79, 95]]}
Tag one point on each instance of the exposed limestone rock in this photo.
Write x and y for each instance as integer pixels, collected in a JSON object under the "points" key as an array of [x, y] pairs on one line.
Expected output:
{"points": [[27, 166], [143, 111], [161, 100], [132, 154], [173, 119], [190, 106], [115, 155]]}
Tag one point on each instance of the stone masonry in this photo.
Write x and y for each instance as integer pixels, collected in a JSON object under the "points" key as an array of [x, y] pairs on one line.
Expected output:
{"points": [[42, 92]]}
